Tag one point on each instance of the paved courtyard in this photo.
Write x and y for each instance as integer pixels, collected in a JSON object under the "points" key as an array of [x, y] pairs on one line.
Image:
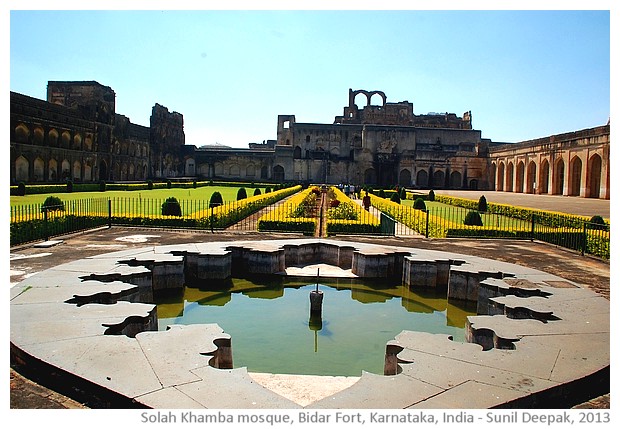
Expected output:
{"points": [[29, 260]]}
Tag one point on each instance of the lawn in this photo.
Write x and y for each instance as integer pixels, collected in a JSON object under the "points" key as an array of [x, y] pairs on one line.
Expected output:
{"points": [[202, 194], [457, 215]]}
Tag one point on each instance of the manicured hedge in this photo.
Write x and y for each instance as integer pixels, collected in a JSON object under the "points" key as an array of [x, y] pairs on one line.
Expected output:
{"points": [[349, 217], [290, 216]]}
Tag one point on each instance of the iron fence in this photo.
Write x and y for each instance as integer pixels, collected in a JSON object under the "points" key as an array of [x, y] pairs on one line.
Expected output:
{"points": [[36, 222]]}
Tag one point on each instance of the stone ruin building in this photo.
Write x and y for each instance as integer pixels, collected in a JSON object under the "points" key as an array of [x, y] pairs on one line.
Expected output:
{"points": [[76, 134]]}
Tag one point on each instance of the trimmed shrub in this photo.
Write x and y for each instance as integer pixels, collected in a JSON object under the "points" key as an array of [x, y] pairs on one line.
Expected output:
{"points": [[419, 204], [256, 191], [431, 195], [194, 184], [482, 204], [102, 185], [242, 194], [169, 184], [69, 186], [473, 218], [21, 189], [381, 193], [171, 207], [53, 203], [149, 184], [395, 198], [597, 222], [267, 189], [403, 194], [216, 200]]}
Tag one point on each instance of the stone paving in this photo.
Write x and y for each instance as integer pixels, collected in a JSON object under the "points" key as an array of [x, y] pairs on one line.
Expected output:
{"points": [[578, 333]]}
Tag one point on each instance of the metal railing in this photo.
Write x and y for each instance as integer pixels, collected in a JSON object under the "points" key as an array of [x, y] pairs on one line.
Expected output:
{"points": [[37, 222]]}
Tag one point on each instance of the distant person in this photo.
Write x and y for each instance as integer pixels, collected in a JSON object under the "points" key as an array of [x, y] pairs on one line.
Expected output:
{"points": [[366, 201]]}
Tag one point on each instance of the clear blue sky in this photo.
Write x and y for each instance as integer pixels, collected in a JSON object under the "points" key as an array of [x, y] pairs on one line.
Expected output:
{"points": [[523, 74]]}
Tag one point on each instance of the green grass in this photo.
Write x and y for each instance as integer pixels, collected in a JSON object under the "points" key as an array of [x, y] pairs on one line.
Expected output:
{"points": [[457, 215], [229, 194]]}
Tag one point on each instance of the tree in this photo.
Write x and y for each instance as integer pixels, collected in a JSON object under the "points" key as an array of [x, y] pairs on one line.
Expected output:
{"points": [[216, 200], [171, 207], [473, 218], [256, 191], [21, 189], [53, 203], [431, 195], [482, 204], [419, 204], [241, 194]]}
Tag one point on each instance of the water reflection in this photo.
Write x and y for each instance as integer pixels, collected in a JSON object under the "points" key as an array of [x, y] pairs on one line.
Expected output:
{"points": [[273, 329]]}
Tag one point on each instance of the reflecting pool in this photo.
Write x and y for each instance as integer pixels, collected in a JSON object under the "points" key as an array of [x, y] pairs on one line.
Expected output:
{"points": [[272, 329]]}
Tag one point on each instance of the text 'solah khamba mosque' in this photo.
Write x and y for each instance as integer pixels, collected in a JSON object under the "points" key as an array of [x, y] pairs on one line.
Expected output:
{"points": [[77, 135]]}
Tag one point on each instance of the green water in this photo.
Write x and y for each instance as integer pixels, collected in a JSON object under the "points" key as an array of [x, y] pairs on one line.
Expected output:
{"points": [[269, 322]]}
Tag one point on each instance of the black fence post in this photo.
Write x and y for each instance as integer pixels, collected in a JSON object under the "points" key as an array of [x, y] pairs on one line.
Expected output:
{"points": [[584, 244], [45, 228], [533, 226], [109, 213], [427, 215]]}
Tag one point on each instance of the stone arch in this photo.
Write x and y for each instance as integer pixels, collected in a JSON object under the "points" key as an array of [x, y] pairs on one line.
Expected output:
{"points": [[493, 176], [88, 172], [574, 180], [123, 171], [368, 95], [218, 169], [520, 177], [422, 179], [593, 180], [297, 152], [38, 135], [103, 170], [501, 169], [278, 173], [88, 143], [544, 177], [370, 176], [264, 172], [530, 178], [558, 177], [250, 170], [509, 176], [77, 170], [38, 170], [22, 133], [116, 172], [233, 171], [456, 180], [404, 178], [65, 171], [22, 169], [438, 179], [65, 140], [131, 171], [190, 166], [52, 137], [52, 170], [77, 142]]}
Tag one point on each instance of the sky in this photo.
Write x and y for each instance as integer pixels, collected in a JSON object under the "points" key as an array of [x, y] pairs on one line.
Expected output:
{"points": [[523, 74]]}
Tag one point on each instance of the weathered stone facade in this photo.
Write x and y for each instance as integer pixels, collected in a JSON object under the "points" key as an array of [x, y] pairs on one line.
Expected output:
{"points": [[77, 135], [575, 163]]}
